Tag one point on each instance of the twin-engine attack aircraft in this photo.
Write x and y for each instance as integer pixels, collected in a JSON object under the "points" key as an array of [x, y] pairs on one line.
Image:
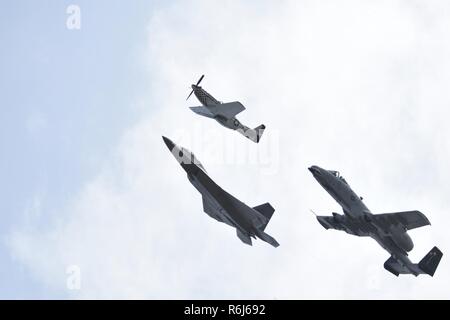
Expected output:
{"points": [[388, 229], [224, 113], [222, 206]]}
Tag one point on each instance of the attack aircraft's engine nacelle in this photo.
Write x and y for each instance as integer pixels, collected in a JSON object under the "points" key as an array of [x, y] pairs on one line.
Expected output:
{"points": [[337, 217], [368, 218], [401, 238]]}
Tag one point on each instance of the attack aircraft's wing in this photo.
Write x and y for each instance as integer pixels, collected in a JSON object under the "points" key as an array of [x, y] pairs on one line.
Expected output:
{"points": [[330, 223], [343, 223], [408, 219]]}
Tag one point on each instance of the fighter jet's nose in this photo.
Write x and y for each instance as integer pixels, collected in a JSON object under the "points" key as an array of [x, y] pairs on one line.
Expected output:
{"points": [[168, 143]]}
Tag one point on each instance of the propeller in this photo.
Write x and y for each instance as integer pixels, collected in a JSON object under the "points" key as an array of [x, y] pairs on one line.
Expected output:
{"points": [[198, 82]]}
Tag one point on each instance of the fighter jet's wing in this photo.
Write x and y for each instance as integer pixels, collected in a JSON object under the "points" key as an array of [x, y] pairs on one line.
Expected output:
{"points": [[203, 111], [206, 206], [227, 110], [408, 219]]}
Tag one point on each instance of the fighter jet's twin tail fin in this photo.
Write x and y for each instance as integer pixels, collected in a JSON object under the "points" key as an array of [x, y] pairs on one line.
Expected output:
{"points": [[267, 211], [427, 265]]}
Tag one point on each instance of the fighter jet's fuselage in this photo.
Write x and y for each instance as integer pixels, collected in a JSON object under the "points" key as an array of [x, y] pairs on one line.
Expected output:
{"points": [[219, 204], [218, 199]]}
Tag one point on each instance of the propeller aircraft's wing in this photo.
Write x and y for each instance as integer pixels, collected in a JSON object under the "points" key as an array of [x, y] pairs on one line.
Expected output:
{"points": [[203, 111], [226, 110]]}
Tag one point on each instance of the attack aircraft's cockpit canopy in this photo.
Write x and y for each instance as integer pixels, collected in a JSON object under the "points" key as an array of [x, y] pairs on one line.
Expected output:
{"points": [[337, 175]]}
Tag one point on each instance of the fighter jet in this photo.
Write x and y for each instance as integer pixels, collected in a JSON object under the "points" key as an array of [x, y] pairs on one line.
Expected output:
{"points": [[388, 229], [223, 113], [222, 206]]}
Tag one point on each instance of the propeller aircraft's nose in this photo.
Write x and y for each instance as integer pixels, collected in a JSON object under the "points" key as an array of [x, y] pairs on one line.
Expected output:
{"points": [[195, 86]]}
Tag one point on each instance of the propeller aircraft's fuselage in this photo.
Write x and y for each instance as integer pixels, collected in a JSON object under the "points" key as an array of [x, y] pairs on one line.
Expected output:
{"points": [[223, 113], [206, 99]]}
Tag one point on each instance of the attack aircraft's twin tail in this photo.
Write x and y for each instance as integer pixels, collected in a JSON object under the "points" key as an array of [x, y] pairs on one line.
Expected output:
{"points": [[388, 229], [222, 206], [224, 113]]}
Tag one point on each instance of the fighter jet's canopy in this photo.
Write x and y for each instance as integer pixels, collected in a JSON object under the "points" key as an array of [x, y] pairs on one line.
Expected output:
{"points": [[191, 158]]}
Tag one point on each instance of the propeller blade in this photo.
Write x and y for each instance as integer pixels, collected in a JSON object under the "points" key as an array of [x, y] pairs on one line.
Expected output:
{"points": [[190, 94], [200, 80]]}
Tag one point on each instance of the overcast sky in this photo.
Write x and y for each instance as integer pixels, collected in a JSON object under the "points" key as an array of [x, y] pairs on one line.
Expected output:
{"points": [[87, 182]]}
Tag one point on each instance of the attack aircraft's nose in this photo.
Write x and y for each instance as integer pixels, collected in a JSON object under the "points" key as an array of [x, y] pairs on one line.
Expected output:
{"points": [[314, 170], [168, 143]]}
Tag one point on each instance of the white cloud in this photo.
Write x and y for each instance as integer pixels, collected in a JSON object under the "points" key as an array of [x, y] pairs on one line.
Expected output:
{"points": [[355, 86]]}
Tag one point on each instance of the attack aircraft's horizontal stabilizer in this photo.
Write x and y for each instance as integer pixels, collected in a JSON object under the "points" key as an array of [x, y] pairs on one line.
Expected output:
{"points": [[427, 265]]}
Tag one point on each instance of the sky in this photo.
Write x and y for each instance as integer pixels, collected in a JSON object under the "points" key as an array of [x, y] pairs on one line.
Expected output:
{"points": [[88, 184]]}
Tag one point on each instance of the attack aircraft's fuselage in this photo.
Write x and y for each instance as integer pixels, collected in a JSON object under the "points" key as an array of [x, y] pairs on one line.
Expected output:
{"points": [[397, 242]]}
